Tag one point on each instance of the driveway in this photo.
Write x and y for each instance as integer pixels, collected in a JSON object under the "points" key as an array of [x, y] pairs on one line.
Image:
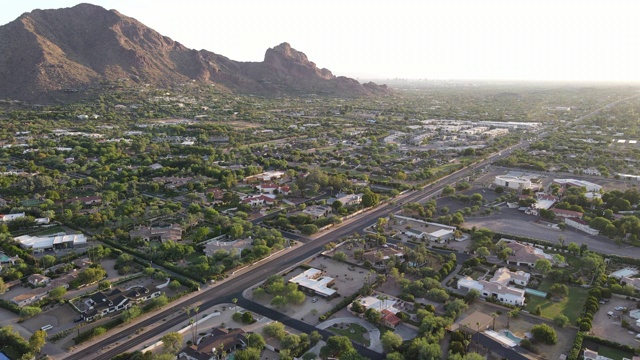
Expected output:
{"points": [[374, 333]]}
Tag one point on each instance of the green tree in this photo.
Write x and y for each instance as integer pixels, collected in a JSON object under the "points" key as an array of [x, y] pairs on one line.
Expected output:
{"points": [[37, 341], [256, 341], [545, 334], [249, 353], [172, 342], [314, 338], [174, 285], [274, 330], [57, 293], [131, 313], [340, 256], [3, 287], [390, 341], [559, 290], [27, 312], [335, 347], [573, 248], [561, 320], [543, 265]]}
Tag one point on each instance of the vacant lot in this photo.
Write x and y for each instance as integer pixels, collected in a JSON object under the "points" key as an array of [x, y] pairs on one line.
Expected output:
{"points": [[571, 306]]}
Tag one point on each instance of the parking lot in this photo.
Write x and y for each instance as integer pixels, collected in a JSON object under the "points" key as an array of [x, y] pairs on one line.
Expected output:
{"points": [[609, 327]]}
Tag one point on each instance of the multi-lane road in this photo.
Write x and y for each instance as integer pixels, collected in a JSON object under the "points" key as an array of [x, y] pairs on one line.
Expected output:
{"points": [[232, 288]]}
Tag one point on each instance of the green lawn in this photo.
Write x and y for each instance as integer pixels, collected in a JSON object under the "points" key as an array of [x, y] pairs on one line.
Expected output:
{"points": [[357, 335], [571, 306], [50, 231], [614, 354]]}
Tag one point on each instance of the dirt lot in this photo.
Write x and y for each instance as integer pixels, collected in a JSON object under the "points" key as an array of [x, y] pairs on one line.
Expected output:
{"points": [[523, 324], [609, 327], [347, 282]]}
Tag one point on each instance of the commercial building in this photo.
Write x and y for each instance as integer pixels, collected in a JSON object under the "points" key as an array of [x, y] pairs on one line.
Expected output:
{"points": [[312, 281], [41, 243]]}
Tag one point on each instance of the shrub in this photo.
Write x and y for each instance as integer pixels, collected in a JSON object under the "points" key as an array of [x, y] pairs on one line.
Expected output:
{"points": [[545, 334]]}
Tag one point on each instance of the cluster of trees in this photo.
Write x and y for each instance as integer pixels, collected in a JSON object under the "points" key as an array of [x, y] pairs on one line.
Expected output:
{"points": [[15, 346], [283, 293], [291, 345]]}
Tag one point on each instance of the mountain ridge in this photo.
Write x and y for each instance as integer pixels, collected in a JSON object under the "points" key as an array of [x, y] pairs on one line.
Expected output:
{"points": [[43, 52]]}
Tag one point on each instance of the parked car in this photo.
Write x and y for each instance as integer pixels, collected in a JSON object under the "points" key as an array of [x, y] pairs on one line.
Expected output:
{"points": [[314, 300], [620, 308]]}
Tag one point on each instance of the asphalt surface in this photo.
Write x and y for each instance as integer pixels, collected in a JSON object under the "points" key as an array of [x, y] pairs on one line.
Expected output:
{"points": [[232, 288]]}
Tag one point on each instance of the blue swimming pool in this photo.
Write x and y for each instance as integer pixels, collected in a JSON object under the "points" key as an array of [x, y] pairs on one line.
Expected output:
{"points": [[511, 336], [535, 292]]}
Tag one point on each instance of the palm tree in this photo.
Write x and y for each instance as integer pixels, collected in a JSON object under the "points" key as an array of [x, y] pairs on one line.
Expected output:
{"points": [[196, 309], [494, 315], [235, 301], [382, 298], [188, 311]]}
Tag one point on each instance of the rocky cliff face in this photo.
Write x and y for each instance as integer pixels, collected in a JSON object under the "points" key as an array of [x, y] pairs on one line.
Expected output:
{"points": [[45, 51]]}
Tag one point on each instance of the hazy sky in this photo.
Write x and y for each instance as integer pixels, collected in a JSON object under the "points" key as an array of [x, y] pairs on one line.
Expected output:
{"points": [[435, 39]]}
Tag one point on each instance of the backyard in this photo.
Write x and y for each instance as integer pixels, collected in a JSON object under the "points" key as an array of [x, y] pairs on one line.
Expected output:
{"points": [[354, 332], [571, 306]]}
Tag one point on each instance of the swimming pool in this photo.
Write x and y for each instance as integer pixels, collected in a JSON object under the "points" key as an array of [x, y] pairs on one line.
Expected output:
{"points": [[535, 292], [511, 336]]}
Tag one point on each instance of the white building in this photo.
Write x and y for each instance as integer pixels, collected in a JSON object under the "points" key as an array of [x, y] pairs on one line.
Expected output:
{"points": [[11, 217], [50, 242], [512, 182], [440, 236], [591, 187], [496, 291], [314, 282], [581, 225]]}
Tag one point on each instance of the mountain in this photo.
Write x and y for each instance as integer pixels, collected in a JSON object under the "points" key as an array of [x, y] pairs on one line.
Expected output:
{"points": [[44, 53]]}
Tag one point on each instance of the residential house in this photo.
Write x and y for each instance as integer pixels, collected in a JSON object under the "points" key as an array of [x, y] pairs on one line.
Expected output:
{"points": [[389, 319], [524, 255], [317, 211], [496, 291], [312, 281], [37, 280], [346, 199], [40, 293], [272, 188], [563, 214], [473, 323], [101, 303], [87, 200], [505, 277], [418, 234], [217, 193], [171, 232], [222, 341], [257, 200], [379, 257], [267, 176]]}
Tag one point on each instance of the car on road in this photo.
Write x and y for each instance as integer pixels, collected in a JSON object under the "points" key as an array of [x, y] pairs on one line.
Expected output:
{"points": [[314, 300]]}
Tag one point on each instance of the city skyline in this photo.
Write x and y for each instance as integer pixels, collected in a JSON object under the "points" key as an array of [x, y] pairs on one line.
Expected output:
{"points": [[488, 40]]}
